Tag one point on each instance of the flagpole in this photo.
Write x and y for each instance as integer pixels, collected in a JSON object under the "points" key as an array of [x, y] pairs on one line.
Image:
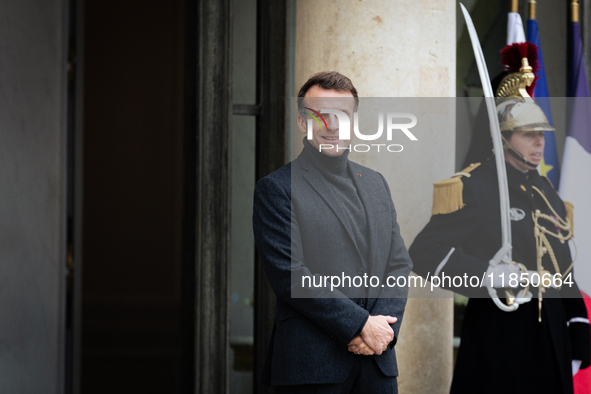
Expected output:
{"points": [[574, 11], [532, 9], [514, 5]]}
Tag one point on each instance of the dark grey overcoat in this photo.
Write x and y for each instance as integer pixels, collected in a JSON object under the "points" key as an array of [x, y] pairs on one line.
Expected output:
{"points": [[301, 230]]}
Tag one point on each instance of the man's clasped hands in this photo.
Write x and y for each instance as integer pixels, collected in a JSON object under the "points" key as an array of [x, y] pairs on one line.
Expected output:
{"points": [[374, 337]]}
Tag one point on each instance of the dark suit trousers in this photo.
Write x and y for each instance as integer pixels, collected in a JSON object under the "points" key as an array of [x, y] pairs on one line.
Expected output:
{"points": [[365, 377]]}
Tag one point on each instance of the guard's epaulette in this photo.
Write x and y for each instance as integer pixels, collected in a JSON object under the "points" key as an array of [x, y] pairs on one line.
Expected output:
{"points": [[447, 194]]}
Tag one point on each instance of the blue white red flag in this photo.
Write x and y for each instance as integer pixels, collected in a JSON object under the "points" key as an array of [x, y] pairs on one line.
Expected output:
{"points": [[575, 183]]}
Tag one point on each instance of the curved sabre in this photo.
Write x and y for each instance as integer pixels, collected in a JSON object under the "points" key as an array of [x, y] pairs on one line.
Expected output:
{"points": [[504, 253]]}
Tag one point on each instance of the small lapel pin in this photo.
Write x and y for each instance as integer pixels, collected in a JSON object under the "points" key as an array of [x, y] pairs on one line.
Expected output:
{"points": [[358, 174]]}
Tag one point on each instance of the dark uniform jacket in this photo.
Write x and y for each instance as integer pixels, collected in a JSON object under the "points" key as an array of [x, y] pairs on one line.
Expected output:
{"points": [[301, 229], [506, 351]]}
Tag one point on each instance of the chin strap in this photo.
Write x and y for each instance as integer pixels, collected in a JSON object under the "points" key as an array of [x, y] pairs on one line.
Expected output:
{"points": [[513, 152]]}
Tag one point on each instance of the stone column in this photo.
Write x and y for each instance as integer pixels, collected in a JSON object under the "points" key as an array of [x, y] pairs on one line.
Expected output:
{"points": [[396, 49]]}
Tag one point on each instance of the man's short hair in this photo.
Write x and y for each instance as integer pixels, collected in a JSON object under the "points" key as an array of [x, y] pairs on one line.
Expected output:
{"points": [[328, 80]]}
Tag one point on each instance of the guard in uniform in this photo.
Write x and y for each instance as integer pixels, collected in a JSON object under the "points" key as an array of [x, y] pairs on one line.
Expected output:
{"points": [[535, 348]]}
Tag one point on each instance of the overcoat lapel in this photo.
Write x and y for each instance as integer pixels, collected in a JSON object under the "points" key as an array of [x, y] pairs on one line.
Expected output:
{"points": [[364, 188], [317, 181]]}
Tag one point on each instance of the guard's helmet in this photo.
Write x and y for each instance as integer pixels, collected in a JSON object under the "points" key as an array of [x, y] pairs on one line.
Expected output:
{"points": [[521, 114]]}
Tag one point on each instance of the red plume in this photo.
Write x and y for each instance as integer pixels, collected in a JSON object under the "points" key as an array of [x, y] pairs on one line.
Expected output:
{"points": [[511, 57]]}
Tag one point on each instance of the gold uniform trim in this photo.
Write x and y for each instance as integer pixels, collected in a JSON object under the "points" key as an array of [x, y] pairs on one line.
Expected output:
{"points": [[447, 194], [569, 215]]}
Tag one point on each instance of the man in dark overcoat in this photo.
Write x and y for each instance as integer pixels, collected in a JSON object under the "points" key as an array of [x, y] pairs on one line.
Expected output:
{"points": [[323, 216]]}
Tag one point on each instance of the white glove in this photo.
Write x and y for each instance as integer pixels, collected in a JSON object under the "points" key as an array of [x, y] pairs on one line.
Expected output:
{"points": [[500, 280], [576, 366]]}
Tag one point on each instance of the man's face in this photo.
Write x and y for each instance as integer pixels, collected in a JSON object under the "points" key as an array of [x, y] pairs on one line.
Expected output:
{"points": [[328, 134], [531, 146]]}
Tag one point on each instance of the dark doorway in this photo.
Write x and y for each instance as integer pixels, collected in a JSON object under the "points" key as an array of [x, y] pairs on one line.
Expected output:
{"points": [[132, 196], [157, 192]]}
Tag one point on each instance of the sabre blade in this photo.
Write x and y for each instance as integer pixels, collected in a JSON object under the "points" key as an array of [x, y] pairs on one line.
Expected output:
{"points": [[504, 253], [480, 62]]}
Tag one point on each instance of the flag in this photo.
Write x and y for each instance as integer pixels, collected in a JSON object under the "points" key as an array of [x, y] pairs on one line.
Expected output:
{"points": [[515, 31], [575, 183], [549, 165]]}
